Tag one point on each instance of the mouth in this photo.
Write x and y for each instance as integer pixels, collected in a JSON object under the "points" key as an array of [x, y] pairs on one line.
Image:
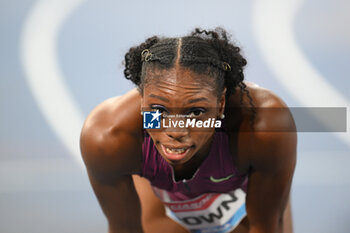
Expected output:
{"points": [[175, 154]]}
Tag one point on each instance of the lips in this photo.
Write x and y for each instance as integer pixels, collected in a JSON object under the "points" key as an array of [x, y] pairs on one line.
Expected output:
{"points": [[173, 153]]}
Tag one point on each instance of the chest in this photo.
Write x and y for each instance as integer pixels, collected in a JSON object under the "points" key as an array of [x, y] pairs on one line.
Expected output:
{"points": [[217, 174]]}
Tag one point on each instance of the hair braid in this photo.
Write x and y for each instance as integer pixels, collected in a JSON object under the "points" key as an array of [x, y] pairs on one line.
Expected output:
{"points": [[133, 60], [227, 52]]}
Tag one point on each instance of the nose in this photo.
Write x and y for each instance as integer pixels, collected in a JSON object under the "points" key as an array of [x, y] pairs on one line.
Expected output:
{"points": [[177, 134]]}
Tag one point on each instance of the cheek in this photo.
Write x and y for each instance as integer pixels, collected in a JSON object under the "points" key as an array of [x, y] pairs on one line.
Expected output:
{"points": [[201, 137]]}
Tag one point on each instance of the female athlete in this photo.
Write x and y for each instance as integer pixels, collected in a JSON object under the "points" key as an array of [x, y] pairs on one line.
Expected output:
{"points": [[154, 168]]}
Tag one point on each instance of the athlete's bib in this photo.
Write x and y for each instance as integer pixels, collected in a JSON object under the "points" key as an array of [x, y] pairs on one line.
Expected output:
{"points": [[208, 213]]}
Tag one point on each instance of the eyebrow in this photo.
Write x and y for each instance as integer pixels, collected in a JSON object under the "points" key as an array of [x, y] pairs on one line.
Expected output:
{"points": [[197, 100], [159, 97]]}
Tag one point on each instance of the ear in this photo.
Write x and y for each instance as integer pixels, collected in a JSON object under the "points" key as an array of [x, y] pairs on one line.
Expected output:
{"points": [[222, 102]]}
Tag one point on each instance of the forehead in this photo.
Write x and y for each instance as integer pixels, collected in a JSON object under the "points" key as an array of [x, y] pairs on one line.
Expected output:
{"points": [[179, 80]]}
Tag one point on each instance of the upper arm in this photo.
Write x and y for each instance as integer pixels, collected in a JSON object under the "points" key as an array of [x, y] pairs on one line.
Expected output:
{"points": [[110, 161], [271, 170]]}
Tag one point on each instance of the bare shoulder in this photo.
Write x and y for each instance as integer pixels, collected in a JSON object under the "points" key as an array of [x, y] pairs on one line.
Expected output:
{"points": [[111, 135], [272, 113], [272, 140]]}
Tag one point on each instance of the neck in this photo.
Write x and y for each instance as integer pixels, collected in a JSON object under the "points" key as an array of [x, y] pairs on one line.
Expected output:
{"points": [[188, 169]]}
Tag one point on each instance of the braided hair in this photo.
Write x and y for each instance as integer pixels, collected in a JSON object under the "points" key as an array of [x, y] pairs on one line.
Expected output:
{"points": [[202, 51]]}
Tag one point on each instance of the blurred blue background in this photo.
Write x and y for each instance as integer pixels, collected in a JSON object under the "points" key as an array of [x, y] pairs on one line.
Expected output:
{"points": [[60, 58]]}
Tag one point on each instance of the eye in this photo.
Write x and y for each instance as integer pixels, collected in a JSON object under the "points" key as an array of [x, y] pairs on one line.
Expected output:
{"points": [[160, 109], [196, 112]]}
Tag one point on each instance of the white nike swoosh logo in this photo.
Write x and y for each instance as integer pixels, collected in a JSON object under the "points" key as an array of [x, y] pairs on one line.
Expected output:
{"points": [[218, 180]]}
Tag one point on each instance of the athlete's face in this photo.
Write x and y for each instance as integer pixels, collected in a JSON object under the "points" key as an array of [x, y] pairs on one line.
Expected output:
{"points": [[177, 92]]}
